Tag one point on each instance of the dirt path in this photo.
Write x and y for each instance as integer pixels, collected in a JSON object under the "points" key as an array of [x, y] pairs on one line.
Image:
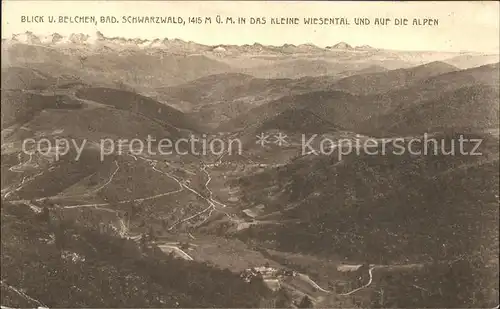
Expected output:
{"points": [[22, 294]]}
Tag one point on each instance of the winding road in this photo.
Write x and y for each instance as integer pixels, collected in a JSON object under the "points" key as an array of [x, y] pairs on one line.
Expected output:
{"points": [[183, 254], [318, 287], [370, 273]]}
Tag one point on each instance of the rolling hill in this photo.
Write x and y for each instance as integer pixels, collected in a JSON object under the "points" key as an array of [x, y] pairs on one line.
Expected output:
{"points": [[224, 87], [335, 66], [432, 87], [380, 82], [338, 107], [382, 208], [438, 91], [356, 112], [19, 107], [134, 67], [296, 69], [468, 108], [297, 121], [217, 98], [25, 78], [155, 70], [130, 101], [471, 61]]}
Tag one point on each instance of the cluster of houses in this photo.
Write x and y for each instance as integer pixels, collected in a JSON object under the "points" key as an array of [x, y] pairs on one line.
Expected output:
{"points": [[271, 276], [267, 273]]}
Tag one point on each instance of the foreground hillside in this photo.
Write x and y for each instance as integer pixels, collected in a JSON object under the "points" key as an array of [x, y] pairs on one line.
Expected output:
{"points": [[51, 261]]}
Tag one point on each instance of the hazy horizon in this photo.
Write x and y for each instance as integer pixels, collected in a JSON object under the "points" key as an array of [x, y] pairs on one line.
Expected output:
{"points": [[463, 26]]}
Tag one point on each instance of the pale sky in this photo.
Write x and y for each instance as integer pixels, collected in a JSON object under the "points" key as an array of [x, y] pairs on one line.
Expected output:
{"points": [[472, 26]]}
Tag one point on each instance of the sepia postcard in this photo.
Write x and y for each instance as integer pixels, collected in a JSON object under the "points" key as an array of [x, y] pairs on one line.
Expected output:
{"points": [[250, 154]]}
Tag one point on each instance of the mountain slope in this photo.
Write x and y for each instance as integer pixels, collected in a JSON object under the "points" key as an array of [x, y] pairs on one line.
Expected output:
{"points": [[225, 87], [139, 68], [298, 68], [474, 107], [350, 111], [19, 107], [393, 79], [338, 107], [461, 90], [217, 98], [297, 121], [24, 78], [383, 208], [471, 61], [431, 88], [135, 67], [136, 103]]}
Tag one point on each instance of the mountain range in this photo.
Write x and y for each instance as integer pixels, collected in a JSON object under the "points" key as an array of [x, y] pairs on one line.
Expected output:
{"points": [[80, 39]]}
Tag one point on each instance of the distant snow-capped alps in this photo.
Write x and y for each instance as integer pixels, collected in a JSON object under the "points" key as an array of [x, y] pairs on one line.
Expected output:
{"points": [[98, 40]]}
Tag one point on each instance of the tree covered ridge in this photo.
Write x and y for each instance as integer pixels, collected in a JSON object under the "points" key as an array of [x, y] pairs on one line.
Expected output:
{"points": [[383, 209]]}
